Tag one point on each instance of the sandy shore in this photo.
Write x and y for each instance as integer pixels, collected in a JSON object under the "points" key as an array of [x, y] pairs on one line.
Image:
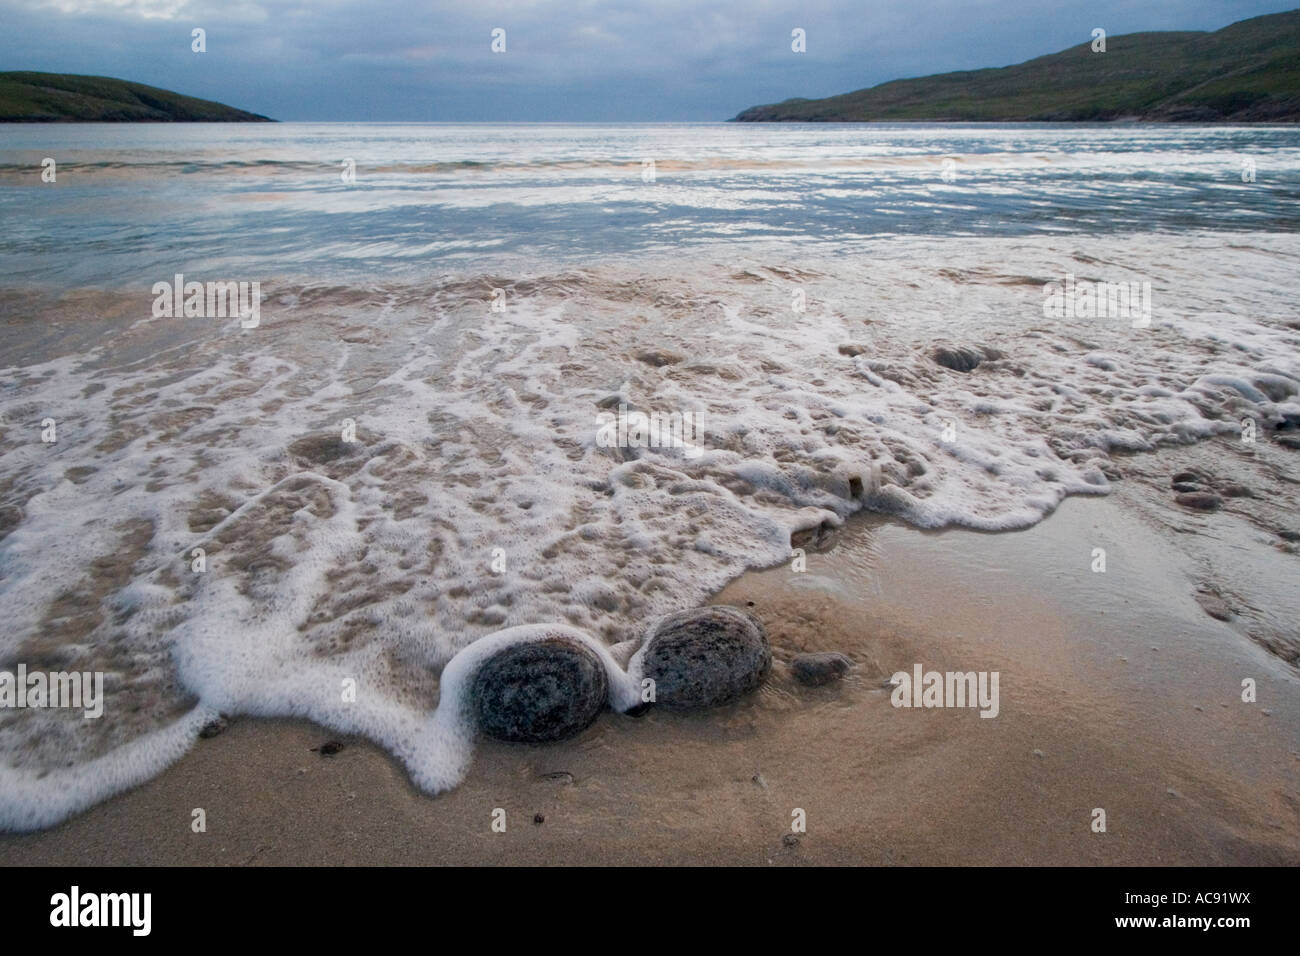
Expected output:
{"points": [[1118, 691]]}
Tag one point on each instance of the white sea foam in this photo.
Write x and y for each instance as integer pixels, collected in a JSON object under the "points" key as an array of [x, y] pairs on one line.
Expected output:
{"points": [[376, 564]]}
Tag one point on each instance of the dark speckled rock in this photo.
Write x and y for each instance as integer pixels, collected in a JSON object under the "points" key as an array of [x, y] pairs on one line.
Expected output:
{"points": [[706, 656], [540, 691]]}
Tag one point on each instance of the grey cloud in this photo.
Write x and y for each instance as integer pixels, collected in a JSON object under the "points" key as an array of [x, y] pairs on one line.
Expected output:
{"points": [[583, 60]]}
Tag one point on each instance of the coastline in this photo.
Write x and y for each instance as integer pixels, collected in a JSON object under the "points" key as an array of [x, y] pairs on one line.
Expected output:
{"points": [[1118, 691]]}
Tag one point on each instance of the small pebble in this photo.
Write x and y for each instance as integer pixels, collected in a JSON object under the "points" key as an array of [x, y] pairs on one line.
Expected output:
{"points": [[1200, 500], [790, 840], [813, 670], [213, 727], [1214, 606]]}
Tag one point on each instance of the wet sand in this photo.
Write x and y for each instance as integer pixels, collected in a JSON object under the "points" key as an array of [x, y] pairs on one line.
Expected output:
{"points": [[1117, 691]]}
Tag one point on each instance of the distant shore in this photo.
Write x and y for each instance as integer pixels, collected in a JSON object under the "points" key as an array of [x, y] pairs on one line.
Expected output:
{"points": [[30, 97], [1243, 73]]}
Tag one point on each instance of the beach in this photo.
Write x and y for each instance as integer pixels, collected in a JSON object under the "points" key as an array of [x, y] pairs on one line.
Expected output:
{"points": [[1118, 692], [280, 455]]}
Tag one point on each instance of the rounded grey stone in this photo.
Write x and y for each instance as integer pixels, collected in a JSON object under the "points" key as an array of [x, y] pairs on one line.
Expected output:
{"points": [[539, 691], [706, 656]]}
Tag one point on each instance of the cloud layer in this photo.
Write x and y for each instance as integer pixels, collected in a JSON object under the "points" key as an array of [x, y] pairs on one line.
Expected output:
{"points": [[564, 61]]}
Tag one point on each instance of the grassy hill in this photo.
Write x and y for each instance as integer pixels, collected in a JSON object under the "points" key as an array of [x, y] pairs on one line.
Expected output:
{"points": [[1246, 72], [66, 98]]}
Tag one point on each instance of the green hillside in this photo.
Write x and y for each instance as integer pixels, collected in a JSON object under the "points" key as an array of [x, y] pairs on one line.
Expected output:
{"points": [[67, 98], [1246, 72]]}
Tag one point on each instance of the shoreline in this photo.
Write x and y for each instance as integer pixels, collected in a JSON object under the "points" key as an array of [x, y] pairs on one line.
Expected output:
{"points": [[1118, 692]]}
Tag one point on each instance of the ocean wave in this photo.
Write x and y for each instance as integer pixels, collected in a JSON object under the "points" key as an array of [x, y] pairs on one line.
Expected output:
{"points": [[474, 491]]}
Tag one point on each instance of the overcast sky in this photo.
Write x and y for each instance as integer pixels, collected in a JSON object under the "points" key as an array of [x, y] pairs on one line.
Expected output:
{"points": [[593, 60]]}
